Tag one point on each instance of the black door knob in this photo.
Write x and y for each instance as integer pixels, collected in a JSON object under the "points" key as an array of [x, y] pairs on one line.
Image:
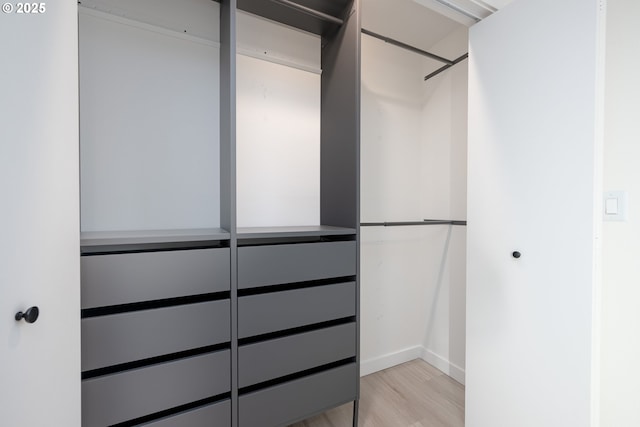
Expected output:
{"points": [[29, 316], [516, 254]]}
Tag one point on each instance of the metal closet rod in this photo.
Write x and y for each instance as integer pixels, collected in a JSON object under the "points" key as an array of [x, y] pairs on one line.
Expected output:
{"points": [[405, 223], [308, 11], [446, 61], [446, 67], [406, 46]]}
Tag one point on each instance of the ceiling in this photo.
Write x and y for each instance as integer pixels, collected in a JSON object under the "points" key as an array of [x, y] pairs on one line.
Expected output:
{"points": [[466, 12], [425, 23]]}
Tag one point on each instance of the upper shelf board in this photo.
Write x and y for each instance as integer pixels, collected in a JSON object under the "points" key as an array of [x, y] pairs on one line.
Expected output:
{"points": [[99, 241], [288, 232], [280, 11]]}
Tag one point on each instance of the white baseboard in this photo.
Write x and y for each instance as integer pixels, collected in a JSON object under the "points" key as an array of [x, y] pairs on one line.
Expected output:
{"points": [[388, 360], [442, 364], [380, 363]]}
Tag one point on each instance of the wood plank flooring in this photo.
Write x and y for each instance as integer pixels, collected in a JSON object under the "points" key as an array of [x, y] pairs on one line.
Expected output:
{"points": [[413, 394]]}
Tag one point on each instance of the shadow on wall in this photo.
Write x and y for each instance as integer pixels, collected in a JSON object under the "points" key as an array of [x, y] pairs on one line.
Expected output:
{"points": [[438, 286]]}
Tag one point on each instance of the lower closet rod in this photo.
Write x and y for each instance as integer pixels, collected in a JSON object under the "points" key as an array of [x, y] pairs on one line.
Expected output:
{"points": [[405, 223]]}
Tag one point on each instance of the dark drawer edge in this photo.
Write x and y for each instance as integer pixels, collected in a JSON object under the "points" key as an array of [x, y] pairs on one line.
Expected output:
{"points": [[307, 396], [148, 305], [294, 331], [174, 411], [109, 370], [295, 376], [258, 290]]}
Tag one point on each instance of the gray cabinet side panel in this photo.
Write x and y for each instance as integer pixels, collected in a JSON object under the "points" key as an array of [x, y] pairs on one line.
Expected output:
{"points": [[131, 394], [228, 115], [271, 359], [260, 314], [125, 278], [121, 338], [228, 172], [340, 125], [271, 265], [294, 400], [216, 415]]}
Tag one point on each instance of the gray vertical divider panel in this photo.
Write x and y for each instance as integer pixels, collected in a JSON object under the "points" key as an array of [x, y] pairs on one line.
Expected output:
{"points": [[340, 142], [228, 115], [275, 311], [291, 401], [126, 337], [127, 395], [340, 124], [134, 277], [215, 415], [228, 174]]}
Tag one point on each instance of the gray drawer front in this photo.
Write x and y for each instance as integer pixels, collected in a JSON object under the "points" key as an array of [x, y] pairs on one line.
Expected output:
{"points": [[121, 338], [120, 397], [216, 415], [289, 402], [260, 314], [271, 359], [125, 278], [272, 265]]}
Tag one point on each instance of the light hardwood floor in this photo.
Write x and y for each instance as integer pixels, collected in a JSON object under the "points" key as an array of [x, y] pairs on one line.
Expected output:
{"points": [[413, 394]]}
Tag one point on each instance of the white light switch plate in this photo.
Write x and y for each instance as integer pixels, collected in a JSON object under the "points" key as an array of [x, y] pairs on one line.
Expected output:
{"points": [[615, 206]]}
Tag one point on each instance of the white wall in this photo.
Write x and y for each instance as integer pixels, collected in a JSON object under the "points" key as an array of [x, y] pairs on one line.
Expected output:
{"points": [[150, 132], [620, 373], [39, 256], [278, 125], [413, 167], [444, 196]]}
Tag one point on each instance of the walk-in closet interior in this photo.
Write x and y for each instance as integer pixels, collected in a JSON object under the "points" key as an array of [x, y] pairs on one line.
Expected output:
{"points": [[255, 180], [413, 168]]}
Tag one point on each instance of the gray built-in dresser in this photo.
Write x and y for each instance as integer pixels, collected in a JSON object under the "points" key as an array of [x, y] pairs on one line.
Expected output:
{"points": [[234, 326]]}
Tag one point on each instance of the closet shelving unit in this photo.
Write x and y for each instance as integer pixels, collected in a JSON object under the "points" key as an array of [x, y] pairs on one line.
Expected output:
{"points": [[235, 326], [298, 286]]}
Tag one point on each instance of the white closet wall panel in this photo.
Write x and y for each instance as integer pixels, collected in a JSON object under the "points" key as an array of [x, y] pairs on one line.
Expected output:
{"points": [[458, 164], [620, 371], [413, 167], [278, 157], [199, 18], [444, 159], [150, 129], [284, 45], [400, 272], [392, 98]]}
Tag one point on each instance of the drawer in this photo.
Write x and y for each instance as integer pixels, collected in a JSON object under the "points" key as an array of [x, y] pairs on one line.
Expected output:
{"points": [[295, 400], [216, 415], [125, 278], [275, 311], [120, 338], [112, 399], [271, 359], [272, 265]]}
